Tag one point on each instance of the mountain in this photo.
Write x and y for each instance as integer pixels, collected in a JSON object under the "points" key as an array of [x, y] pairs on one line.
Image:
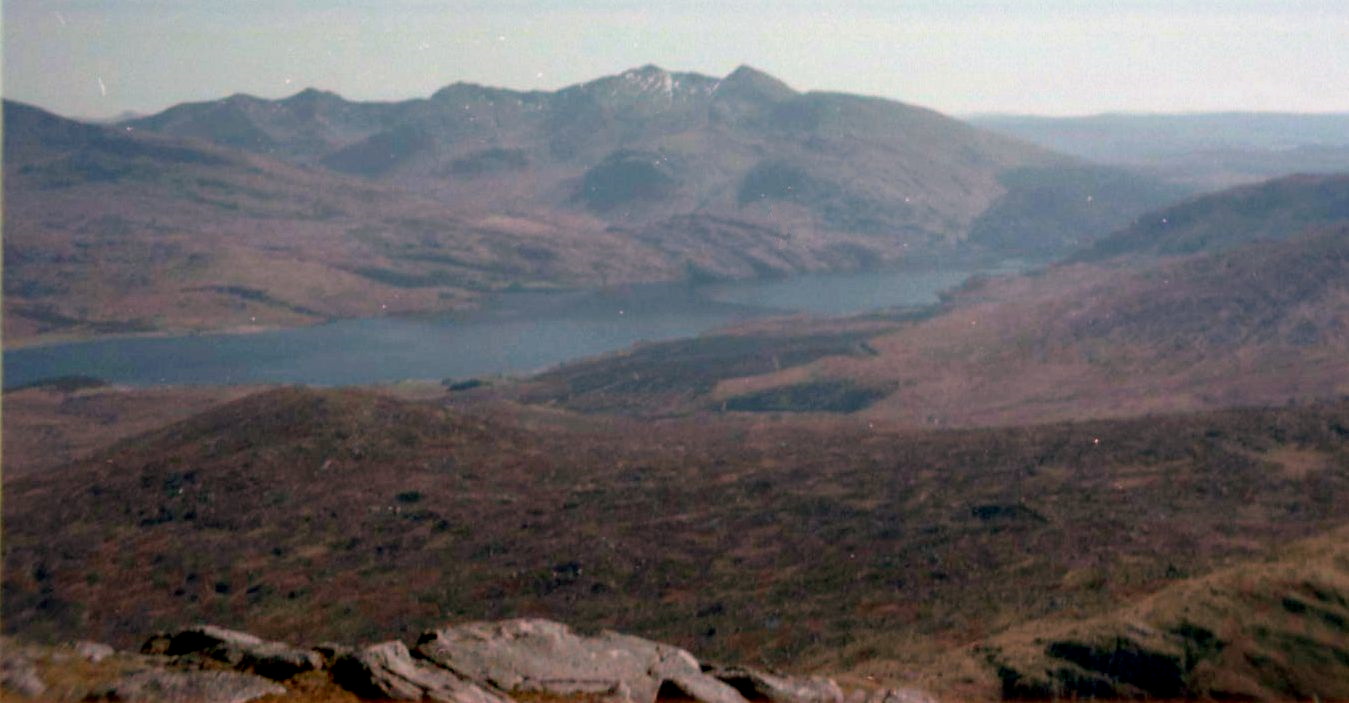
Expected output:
{"points": [[113, 230], [833, 544], [116, 230], [648, 148], [246, 213], [1205, 151], [1276, 209]]}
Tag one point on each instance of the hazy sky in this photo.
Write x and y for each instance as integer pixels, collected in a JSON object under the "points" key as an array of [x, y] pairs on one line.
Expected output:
{"points": [[101, 57]]}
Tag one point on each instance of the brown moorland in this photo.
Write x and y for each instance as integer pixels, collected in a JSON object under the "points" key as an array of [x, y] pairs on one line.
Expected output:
{"points": [[838, 545]]}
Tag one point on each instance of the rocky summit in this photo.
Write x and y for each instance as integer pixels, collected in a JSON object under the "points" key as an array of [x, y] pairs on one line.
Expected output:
{"points": [[480, 662]]}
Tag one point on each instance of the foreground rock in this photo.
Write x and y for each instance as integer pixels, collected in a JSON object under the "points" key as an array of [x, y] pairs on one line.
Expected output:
{"points": [[188, 687], [892, 695], [18, 673], [755, 685], [388, 671], [93, 652], [539, 656], [241, 650], [481, 662]]}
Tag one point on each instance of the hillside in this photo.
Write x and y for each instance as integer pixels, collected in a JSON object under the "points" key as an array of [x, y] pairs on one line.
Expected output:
{"points": [[1274, 629], [828, 545], [1259, 324], [115, 231], [646, 148], [1273, 210]]}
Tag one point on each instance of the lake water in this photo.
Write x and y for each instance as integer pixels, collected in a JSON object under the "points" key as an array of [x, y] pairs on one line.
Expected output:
{"points": [[515, 333]]}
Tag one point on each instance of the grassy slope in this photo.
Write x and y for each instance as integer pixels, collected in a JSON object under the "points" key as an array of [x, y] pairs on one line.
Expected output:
{"points": [[837, 545], [1272, 210], [1271, 629], [46, 427]]}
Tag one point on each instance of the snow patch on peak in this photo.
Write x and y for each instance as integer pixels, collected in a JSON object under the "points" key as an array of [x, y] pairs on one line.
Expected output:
{"points": [[651, 79]]}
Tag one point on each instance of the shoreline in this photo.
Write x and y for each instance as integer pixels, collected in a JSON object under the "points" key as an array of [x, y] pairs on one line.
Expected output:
{"points": [[933, 264]]}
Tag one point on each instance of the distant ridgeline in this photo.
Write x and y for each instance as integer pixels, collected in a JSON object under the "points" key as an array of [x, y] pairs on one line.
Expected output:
{"points": [[251, 212]]}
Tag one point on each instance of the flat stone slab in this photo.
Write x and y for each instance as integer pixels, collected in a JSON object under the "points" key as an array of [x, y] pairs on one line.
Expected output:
{"points": [[528, 655], [757, 685], [388, 671], [18, 673], [189, 687], [241, 650]]}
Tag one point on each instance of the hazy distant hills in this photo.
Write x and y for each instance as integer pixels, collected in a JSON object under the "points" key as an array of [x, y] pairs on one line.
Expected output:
{"points": [[1204, 151], [636, 149]]}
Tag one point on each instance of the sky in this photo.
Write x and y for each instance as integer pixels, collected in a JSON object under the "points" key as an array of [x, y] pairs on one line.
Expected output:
{"points": [[98, 58]]}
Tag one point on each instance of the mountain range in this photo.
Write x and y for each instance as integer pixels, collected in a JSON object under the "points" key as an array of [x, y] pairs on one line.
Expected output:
{"points": [[428, 204]]}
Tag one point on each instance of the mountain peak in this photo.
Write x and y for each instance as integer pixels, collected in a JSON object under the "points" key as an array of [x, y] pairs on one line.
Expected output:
{"points": [[312, 95], [650, 69], [749, 82]]}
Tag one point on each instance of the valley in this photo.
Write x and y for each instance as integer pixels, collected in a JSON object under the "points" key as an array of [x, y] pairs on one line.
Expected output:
{"points": [[796, 380]]}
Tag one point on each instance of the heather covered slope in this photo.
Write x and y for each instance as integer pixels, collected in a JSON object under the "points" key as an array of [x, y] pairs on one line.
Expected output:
{"points": [[841, 545], [1273, 629]]}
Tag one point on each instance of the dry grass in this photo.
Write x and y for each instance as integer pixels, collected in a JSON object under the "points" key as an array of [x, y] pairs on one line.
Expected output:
{"points": [[824, 544]]}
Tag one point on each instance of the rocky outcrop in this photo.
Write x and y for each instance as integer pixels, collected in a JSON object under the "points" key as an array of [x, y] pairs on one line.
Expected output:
{"points": [[18, 673], [892, 695], [188, 687], [539, 656], [93, 652], [241, 650], [481, 662], [757, 686], [388, 671]]}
